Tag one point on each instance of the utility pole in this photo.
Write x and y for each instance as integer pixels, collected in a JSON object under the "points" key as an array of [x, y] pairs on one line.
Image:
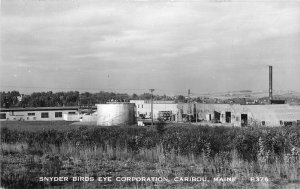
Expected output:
{"points": [[151, 90], [189, 105], [78, 104], [270, 84], [196, 113]]}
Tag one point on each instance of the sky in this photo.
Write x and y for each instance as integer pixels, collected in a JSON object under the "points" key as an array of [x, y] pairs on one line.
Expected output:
{"points": [[132, 46]]}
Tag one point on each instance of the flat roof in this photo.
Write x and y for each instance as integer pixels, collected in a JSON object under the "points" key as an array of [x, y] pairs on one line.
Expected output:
{"points": [[41, 108], [155, 101], [117, 103]]}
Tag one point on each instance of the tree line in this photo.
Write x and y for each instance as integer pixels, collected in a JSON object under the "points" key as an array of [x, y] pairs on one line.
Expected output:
{"points": [[74, 98]]}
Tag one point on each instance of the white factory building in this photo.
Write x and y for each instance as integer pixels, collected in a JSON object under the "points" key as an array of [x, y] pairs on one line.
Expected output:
{"points": [[126, 113], [39, 114], [244, 115], [143, 109]]}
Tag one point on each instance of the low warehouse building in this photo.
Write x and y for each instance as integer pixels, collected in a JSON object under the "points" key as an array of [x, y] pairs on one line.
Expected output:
{"points": [[243, 115], [39, 114]]}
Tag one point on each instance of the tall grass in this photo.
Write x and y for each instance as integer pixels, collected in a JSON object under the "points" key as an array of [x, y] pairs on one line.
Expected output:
{"points": [[72, 160], [184, 140], [134, 151]]}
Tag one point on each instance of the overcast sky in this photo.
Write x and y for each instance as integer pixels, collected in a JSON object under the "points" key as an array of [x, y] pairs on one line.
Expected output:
{"points": [[167, 45]]}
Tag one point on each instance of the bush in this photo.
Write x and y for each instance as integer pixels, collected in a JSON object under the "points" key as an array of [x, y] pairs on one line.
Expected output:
{"points": [[185, 140], [160, 126]]}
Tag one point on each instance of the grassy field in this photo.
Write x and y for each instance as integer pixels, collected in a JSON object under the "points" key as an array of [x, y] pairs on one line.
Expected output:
{"points": [[38, 125], [254, 157]]}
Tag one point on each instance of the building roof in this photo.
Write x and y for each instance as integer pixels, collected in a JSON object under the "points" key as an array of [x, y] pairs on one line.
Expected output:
{"points": [[154, 101], [38, 108]]}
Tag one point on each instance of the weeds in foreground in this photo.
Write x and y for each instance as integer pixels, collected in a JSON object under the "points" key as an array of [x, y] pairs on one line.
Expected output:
{"points": [[114, 161], [178, 152]]}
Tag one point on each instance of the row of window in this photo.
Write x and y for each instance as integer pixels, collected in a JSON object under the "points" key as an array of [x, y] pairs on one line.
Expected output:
{"points": [[43, 114], [57, 114], [46, 114]]}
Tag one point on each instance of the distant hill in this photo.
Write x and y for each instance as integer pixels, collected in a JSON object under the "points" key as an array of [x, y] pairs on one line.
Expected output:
{"points": [[256, 94], [245, 91]]}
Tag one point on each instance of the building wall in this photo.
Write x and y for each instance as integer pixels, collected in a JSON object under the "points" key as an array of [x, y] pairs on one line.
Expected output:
{"points": [[24, 116], [115, 114], [144, 107], [89, 118], [236, 112], [71, 117], [267, 115]]}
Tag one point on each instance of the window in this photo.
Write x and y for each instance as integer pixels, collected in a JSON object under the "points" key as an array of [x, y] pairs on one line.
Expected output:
{"points": [[58, 114], [31, 114], [44, 115], [263, 123], [142, 105], [72, 112], [237, 119], [138, 105], [3, 116]]}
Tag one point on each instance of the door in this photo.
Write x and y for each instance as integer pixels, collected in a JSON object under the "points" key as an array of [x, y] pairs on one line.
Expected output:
{"points": [[217, 116], [228, 117], [244, 120]]}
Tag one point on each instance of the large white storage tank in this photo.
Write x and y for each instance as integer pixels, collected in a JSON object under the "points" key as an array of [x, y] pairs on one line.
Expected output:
{"points": [[115, 114]]}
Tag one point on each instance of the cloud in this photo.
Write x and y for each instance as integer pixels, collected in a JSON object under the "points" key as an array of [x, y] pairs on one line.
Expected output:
{"points": [[181, 41]]}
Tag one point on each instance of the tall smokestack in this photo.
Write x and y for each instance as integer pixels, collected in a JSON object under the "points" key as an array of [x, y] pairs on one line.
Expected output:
{"points": [[270, 84]]}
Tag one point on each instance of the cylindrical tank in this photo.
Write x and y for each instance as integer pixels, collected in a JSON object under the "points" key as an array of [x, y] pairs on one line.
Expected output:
{"points": [[115, 114]]}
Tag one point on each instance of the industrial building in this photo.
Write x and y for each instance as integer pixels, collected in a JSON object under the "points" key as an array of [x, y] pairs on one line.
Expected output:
{"points": [[120, 113], [243, 115], [166, 109], [39, 114]]}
